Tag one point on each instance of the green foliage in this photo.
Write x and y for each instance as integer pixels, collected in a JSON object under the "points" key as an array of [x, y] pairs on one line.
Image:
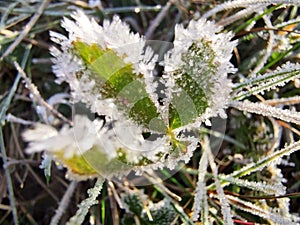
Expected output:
{"points": [[116, 79], [257, 164], [161, 213], [133, 203], [195, 79]]}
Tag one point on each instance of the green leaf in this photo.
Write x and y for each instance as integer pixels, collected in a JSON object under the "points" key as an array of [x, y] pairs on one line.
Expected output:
{"points": [[115, 79], [174, 118], [89, 53], [195, 79], [93, 162], [143, 111]]}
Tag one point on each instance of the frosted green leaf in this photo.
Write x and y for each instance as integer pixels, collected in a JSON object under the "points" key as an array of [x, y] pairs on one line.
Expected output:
{"points": [[46, 165], [196, 72], [194, 78], [132, 203], [148, 118], [115, 79], [162, 213]]}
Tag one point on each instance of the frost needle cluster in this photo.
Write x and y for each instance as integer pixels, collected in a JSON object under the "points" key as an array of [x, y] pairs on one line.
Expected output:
{"points": [[143, 121]]}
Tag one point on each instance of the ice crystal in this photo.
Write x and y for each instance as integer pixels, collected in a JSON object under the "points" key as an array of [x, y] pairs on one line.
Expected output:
{"points": [[162, 212], [110, 69], [78, 147], [84, 206], [46, 165], [200, 204], [137, 203], [271, 159], [225, 208], [145, 122], [246, 3], [268, 81], [261, 212], [266, 110], [99, 61], [133, 202], [196, 71], [258, 186], [71, 141]]}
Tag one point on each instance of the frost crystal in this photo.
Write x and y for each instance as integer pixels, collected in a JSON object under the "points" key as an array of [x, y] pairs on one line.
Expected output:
{"points": [[117, 149], [84, 206], [90, 47], [196, 70], [259, 211], [72, 141], [150, 121], [200, 192], [268, 81]]}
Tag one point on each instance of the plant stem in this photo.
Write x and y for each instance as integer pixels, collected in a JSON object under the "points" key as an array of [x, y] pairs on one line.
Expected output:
{"points": [[26, 30]]}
